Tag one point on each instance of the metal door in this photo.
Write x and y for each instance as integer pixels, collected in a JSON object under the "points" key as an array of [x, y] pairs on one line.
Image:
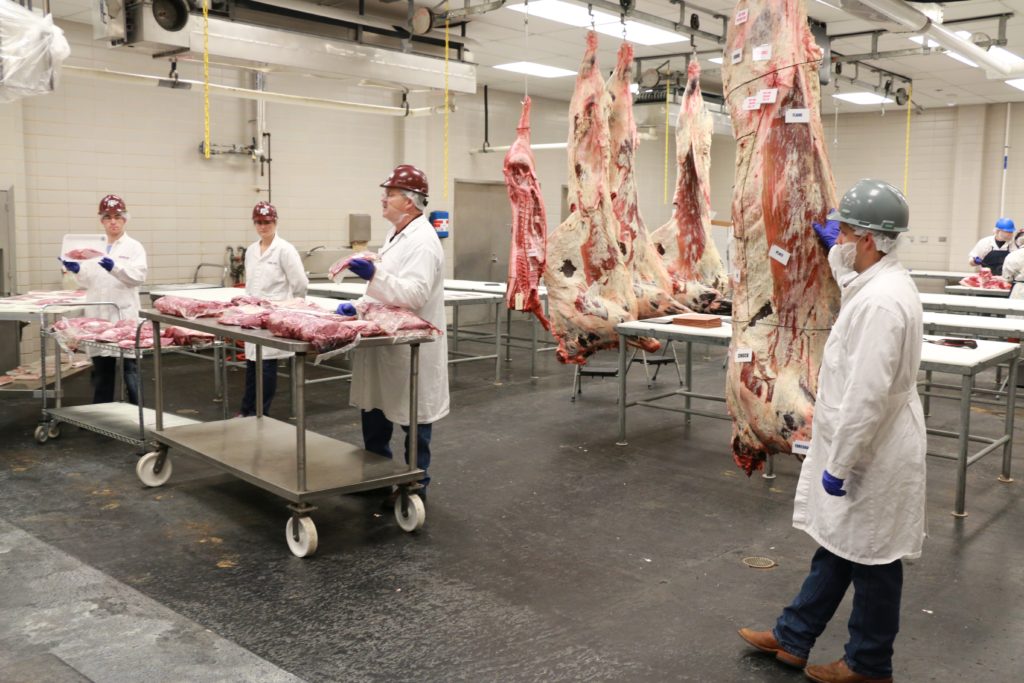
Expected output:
{"points": [[10, 331], [481, 228]]}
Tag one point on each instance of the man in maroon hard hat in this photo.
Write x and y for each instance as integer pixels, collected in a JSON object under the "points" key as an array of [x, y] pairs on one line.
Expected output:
{"points": [[408, 272]]}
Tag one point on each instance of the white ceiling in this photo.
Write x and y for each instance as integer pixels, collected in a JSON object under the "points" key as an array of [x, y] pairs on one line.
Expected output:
{"points": [[498, 37]]}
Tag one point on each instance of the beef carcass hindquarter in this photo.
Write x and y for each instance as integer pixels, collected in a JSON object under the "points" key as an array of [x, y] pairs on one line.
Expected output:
{"points": [[651, 283], [684, 242], [529, 224], [782, 312], [590, 289]]}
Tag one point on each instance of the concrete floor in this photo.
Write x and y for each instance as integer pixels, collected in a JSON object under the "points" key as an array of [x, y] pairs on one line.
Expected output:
{"points": [[549, 553]]}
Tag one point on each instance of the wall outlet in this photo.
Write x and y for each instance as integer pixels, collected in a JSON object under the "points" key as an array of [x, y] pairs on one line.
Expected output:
{"points": [[924, 239], [942, 240]]}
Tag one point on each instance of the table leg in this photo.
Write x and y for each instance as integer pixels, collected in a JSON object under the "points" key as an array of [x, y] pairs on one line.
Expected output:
{"points": [[497, 344], [533, 346], [298, 386], [414, 374], [769, 467], [455, 328], [622, 391], [259, 380], [1011, 408], [927, 393], [689, 377], [508, 333], [158, 376], [966, 384], [218, 387]]}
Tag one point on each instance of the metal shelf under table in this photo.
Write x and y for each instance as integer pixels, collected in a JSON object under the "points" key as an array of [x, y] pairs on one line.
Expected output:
{"points": [[118, 421]]}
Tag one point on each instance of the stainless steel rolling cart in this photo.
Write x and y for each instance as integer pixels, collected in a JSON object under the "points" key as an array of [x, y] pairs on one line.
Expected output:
{"points": [[279, 457]]}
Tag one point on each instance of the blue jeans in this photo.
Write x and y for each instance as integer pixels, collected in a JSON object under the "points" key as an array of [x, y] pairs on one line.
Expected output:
{"points": [[377, 431], [269, 387], [875, 619], [104, 379]]}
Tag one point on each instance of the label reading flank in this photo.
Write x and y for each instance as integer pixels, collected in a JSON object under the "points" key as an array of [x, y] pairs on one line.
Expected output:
{"points": [[801, 447], [744, 355], [751, 103], [798, 115], [519, 301], [779, 254], [762, 53], [768, 95], [737, 55], [741, 16]]}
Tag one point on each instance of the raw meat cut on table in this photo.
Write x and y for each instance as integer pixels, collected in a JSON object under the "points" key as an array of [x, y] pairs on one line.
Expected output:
{"points": [[392, 319], [83, 254], [684, 242], [528, 252], [651, 283], [984, 279], [323, 332], [590, 288], [247, 316], [341, 264], [190, 309], [783, 305]]}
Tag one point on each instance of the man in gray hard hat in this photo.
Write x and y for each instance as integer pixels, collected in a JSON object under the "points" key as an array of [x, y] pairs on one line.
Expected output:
{"points": [[862, 486]]}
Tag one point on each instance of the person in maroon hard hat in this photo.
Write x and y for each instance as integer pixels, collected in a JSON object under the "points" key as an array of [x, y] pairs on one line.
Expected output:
{"points": [[115, 278], [274, 271], [409, 272]]}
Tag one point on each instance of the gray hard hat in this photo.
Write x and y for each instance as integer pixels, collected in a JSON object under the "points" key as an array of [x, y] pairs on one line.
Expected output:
{"points": [[873, 205]]}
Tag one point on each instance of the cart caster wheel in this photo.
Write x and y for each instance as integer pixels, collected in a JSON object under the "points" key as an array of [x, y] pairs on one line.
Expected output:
{"points": [[305, 545], [145, 468], [54, 431], [40, 434], [415, 516]]}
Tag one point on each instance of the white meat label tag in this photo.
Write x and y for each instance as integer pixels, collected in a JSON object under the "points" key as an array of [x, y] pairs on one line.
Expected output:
{"points": [[779, 254], [741, 16], [762, 53], [798, 116], [768, 95], [737, 55], [801, 447], [751, 103], [744, 355], [519, 301]]}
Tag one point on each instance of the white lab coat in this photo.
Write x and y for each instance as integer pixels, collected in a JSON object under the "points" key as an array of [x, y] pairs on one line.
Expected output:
{"points": [[120, 286], [1013, 266], [410, 274], [868, 423], [987, 244], [276, 274]]}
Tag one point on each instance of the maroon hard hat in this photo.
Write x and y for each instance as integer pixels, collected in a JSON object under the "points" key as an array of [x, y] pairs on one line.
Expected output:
{"points": [[265, 211], [407, 177], [112, 204]]}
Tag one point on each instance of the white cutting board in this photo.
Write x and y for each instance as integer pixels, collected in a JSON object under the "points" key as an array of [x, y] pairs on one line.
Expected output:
{"points": [[97, 242]]}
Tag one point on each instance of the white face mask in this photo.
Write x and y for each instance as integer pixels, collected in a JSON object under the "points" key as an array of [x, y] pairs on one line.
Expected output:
{"points": [[847, 253]]}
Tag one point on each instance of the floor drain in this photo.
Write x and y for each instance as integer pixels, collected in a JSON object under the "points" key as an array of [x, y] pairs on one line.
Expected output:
{"points": [[759, 562]]}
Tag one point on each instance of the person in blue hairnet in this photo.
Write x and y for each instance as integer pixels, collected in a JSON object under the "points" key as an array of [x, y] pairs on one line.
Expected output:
{"points": [[861, 493], [991, 251]]}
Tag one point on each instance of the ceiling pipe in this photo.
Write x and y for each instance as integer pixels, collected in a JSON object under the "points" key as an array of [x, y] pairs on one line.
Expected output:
{"points": [[915, 22], [248, 93]]}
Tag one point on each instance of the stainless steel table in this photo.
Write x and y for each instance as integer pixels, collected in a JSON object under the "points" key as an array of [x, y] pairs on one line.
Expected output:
{"points": [[973, 305], [279, 457], [964, 290], [19, 310], [944, 275], [452, 299]]}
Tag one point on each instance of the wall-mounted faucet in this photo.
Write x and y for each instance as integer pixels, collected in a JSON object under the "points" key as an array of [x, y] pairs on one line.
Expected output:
{"points": [[316, 248]]}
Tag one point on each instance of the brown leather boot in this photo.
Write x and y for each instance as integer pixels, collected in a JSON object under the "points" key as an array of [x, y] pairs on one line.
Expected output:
{"points": [[765, 642], [839, 672]]}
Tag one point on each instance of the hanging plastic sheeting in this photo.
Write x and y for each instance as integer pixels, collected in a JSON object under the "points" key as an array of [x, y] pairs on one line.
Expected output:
{"points": [[31, 52]]}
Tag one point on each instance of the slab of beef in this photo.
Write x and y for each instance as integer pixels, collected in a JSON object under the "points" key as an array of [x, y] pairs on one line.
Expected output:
{"points": [[684, 242], [323, 332], [984, 279], [590, 287], [392, 319], [190, 309], [784, 297], [247, 316], [341, 264], [651, 283], [528, 251], [83, 254]]}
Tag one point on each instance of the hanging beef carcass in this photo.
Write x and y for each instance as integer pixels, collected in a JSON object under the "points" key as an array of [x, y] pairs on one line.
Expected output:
{"points": [[784, 297], [684, 242], [590, 288], [529, 224], [651, 282]]}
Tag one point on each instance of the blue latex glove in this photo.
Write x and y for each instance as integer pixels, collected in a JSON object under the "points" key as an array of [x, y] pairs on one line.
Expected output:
{"points": [[345, 308], [833, 485], [71, 266], [828, 233], [363, 268], [107, 263], [977, 261]]}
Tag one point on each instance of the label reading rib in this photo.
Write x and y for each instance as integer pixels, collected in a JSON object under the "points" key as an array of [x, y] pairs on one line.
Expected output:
{"points": [[768, 95], [519, 301], [744, 355], [762, 53], [741, 16], [798, 116], [737, 55], [779, 254], [751, 103], [801, 447]]}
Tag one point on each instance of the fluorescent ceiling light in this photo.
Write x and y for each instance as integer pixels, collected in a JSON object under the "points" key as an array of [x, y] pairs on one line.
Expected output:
{"points": [[534, 69], [1017, 83], [608, 24], [862, 98], [716, 60], [920, 40]]}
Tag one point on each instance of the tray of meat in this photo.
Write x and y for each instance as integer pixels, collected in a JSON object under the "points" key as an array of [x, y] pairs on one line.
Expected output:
{"points": [[984, 279], [83, 247]]}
